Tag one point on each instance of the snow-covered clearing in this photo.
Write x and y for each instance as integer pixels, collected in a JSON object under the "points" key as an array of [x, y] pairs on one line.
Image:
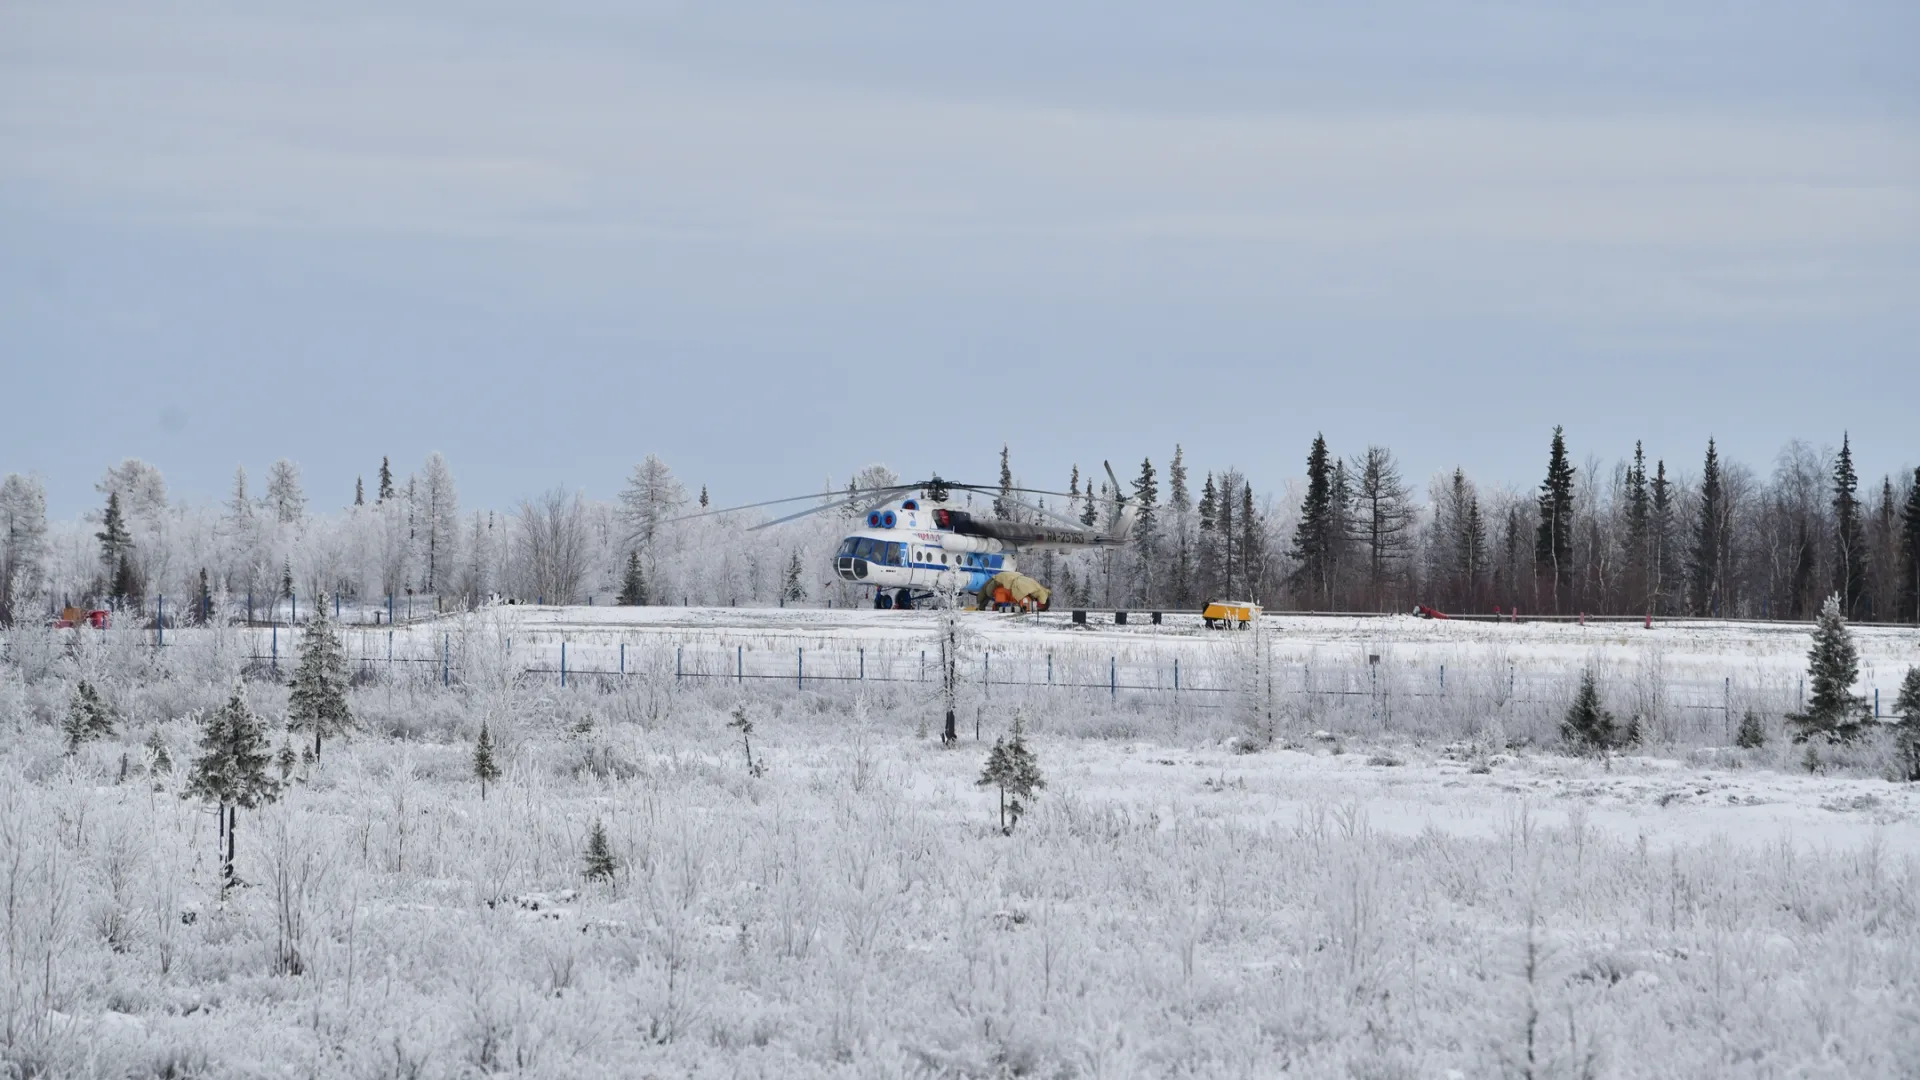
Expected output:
{"points": [[1412, 883]]}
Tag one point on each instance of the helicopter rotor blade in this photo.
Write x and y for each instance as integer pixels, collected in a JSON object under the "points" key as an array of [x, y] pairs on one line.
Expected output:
{"points": [[860, 493]]}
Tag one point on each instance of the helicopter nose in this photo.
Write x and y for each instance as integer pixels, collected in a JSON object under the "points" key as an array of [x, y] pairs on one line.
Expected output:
{"points": [[852, 569]]}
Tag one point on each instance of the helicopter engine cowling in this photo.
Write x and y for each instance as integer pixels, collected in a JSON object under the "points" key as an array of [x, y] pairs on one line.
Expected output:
{"points": [[983, 544]]}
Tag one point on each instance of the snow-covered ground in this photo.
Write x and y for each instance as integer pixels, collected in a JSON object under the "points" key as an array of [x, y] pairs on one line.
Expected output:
{"points": [[1421, 895]]}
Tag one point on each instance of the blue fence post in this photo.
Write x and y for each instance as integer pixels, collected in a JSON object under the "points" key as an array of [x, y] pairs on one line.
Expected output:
{"points": [[1876, 703], [446, 660], [1113, 677], [986, 670], [563, 662], [739, 663], [276, 648], [1443, 678], [677, 651], [1049, 668], [160, 633], [800, 670], [923, 665], [1176, 674], [293, 607], [336, 607], [863, 666], [389, 609], [623, 659]]}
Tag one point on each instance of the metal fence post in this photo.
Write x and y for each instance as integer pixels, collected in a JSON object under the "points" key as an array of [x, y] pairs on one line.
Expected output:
{"points": [[276, 648], [293, 607], [446, 661], [623, 659], [739, 663], [863, 663], [1176, 674], [1726, 705], [336, 607], [800, 670], [986, 670], [1443, 678], [1049, 668], [389, 609], [677, 651], [1113, 677], [563, 661]]}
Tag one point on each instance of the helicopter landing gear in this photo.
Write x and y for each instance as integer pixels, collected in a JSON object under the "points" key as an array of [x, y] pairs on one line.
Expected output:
{"points": [[898, 598], [883, 600], [903, 599]]}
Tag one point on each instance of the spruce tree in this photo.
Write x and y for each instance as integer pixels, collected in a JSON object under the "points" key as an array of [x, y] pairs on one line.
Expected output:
{"points": [[88, 717], [385, 492], [359, 491], [601, 865], [1752, 735], [1252, 546], [1588, 727], [1090, 513], [1208, 569], [1146, 534], [286, 759], [1849, 534], [484, 768], [1639, 543], [286, 578], [1907, 734], [1910, 554], [203, 608], [1705, 580], [1553, 539], [703, 497], [318, 702], [1179, 506], [795, 588], [115, 544], [158, 759], [1013, 769], [1003, 503], [1833, 710], [231, 770], [1663, 562], [633, 584], [1313, 539]]}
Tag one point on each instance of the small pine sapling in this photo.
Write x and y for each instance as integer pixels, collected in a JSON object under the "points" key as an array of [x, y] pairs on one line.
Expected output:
{"points": [[1907, 734], [87, 717], [484, 768], [286, 759], [1589, 728], [231, 770], [1834, 711], [1012, 768], [600, 861], [742, 722], [1752, 734], [633, 584], [318, 701], [158, 760]]}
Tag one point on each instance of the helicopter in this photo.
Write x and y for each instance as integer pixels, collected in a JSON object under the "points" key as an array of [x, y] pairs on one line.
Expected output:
{"points": [[915, 542]]}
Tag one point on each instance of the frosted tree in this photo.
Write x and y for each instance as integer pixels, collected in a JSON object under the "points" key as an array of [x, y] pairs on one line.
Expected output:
{"points": [[1907, 734], [1589, 727], [552, 546], [318, 701], [231, 771], [1178, 527], [601, 865], [23, 544], [485, 769], [1384, 518], [1145, 540], [1012, 768], [116, 549], [651, 496], [87, 717], [359, 491], [143, 491], [795, 587], [633, 582], [284, 495], [1003, 504], [385, 493], [437, 524], [1833, 710]]}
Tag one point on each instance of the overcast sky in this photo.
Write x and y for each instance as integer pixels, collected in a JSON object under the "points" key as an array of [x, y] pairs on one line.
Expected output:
{"points": [[772, 242]]}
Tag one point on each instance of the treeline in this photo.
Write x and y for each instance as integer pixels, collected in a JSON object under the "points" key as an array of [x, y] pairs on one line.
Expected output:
{"points": [[1632, 538]]}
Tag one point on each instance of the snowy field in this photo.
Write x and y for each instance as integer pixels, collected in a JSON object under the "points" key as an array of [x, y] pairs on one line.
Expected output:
{"points": [[1412, 881]]}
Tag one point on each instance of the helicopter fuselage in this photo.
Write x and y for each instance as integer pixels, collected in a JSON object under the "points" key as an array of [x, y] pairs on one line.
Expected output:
{"points": [[922, 546]]}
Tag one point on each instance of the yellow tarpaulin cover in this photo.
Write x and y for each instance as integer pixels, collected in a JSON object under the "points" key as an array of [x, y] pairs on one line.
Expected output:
{"points": [[1023, 589]]}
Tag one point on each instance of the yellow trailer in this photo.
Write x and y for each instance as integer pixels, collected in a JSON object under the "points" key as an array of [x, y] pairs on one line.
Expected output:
{"points": [[1227, 614]]}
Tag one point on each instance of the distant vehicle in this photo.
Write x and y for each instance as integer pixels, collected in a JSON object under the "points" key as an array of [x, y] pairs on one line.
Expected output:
{"points": [[1229, 614], [916, 542], [98, 618]]}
